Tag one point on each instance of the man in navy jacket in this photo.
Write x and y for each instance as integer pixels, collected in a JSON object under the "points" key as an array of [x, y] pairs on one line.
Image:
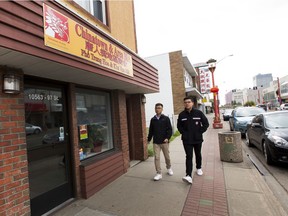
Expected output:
{"points": [[160, 130], [192, 123]]}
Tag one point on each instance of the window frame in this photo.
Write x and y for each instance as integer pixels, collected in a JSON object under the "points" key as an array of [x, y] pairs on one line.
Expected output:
{"points": [[82, 91], [91, 10]]}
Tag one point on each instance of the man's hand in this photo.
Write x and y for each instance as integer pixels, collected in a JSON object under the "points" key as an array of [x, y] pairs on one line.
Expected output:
{"points": [[165, 141]]}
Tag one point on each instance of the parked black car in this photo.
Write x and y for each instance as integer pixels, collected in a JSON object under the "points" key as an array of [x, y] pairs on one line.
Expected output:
{"points": [[262, 106], [269, 133], [227, 114]]}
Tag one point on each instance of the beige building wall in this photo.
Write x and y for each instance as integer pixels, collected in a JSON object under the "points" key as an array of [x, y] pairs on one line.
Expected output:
{"points": [[120, 20], [177, 78]]}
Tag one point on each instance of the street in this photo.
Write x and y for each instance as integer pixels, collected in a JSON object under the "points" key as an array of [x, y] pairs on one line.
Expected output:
{"points": [[275, 176]]}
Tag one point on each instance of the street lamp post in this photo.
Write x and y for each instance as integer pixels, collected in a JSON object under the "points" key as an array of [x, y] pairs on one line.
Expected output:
{"points": [[279, 91], [217, 121]]}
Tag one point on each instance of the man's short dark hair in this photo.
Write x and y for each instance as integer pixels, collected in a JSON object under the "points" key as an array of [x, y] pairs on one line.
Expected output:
{"points": [[189, 98], [158, 104]]}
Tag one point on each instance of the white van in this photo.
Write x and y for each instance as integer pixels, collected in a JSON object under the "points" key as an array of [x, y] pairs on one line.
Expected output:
{"points": [[284, 106]]}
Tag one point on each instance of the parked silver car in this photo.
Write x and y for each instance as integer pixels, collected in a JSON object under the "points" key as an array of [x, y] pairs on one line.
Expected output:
{"points": [[32, 129], [284, 106]]}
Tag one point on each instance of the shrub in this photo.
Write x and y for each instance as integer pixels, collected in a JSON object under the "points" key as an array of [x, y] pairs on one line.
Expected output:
{"points": [[150, 145]]}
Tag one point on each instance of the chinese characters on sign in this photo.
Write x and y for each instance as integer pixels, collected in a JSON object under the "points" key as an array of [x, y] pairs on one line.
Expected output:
{"points": [[66, 35], [205, 81]]}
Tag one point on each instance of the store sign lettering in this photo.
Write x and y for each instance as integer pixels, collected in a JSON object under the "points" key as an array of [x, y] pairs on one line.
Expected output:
{"points": [[43, 97], [66, 35]]}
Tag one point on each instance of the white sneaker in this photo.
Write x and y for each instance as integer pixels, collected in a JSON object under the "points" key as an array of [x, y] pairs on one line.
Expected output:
{"points": [[157, 177], [199, 172], [187, 179], [170, 172]]}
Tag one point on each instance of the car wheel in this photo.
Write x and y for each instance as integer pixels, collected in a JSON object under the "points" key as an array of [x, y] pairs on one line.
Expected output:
{"points": [[248, 142], [37, 131], [267, 154]]}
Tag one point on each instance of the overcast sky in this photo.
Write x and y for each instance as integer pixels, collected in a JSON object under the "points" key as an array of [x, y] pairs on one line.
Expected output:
{"points": [[254, 31]]}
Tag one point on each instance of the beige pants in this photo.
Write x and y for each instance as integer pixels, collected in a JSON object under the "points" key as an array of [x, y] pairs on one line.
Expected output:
{"points": [[157, 149]]}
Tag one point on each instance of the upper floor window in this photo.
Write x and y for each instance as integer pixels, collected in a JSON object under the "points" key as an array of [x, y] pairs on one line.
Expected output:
{"points": [[95, 7]]}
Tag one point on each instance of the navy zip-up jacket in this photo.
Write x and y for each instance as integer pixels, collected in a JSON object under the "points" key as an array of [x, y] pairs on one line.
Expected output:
{"points": [[160, 129], [192, 125]]}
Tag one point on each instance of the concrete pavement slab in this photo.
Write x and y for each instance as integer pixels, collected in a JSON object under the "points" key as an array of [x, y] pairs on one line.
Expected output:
{"points": [[90, 212], [242, 203], [240, 179], [133, 196], [137, 194]]}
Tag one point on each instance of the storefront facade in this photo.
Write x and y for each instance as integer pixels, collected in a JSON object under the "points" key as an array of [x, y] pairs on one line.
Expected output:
{"points": [[78, 118]]}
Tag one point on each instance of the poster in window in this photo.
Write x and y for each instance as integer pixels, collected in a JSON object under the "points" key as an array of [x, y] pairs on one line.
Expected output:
{"points": [[83, 132]]}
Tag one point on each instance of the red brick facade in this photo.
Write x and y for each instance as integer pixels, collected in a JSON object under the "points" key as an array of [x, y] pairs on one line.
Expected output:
{"points": [[14, 183], [177, 78]]}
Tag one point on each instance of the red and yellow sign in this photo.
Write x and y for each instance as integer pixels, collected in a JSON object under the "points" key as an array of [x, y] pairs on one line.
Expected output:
{"points": [[83, 132], [68, 36]]}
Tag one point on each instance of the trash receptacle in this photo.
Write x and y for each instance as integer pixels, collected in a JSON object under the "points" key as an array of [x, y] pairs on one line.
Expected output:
{"points": [[230, 146]]}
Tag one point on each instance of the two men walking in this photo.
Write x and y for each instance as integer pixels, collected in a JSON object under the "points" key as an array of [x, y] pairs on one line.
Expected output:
{"points": [[191, 123]]}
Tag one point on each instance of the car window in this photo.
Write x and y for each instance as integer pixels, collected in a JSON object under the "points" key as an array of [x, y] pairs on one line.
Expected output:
{"points": [[249, 112], [228, 111], [277, 120], [259, 119]]}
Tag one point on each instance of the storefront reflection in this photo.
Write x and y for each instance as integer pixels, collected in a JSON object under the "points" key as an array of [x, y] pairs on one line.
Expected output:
{"points": [[45, 140], [46, 161]]}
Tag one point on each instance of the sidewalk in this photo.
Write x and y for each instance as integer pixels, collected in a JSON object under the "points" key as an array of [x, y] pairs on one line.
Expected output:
{"points": [[225, 188]]}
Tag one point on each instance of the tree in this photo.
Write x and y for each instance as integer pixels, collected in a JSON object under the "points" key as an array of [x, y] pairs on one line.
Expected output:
{"points": [[250, 103]]}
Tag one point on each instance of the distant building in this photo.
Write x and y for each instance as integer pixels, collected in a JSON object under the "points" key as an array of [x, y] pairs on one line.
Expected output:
{"points": [[269, 94], [237, 96], [262, 80], [284, 89], [253, 95], [177, 79], [228, 98]]}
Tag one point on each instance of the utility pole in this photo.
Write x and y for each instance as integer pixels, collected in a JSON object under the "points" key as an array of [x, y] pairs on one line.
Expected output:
{"points": [[279, 91]]}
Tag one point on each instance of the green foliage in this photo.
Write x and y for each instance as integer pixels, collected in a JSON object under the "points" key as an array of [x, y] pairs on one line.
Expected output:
{"points": [[250, 103], [150, 150], [150, 145], [176, 134]]}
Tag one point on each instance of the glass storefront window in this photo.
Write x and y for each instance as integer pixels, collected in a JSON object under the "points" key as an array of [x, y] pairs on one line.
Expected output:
{"points": [[94, 122], [45, 137]]}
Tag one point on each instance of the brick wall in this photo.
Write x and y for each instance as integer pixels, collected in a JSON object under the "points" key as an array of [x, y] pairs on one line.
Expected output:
{"points": [[14, 185], [177, 77], [139, 127], [120, 128]]}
